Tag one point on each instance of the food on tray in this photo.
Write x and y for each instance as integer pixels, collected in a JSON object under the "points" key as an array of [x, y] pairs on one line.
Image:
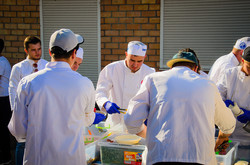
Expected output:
{"points": [[127, 139], [241, 162]]}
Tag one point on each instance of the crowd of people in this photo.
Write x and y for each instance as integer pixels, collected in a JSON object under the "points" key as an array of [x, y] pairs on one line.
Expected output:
{"points": [[47, 105]]}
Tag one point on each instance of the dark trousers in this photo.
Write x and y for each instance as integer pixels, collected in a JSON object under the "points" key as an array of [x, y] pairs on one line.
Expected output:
{"points": [[5, 115], [175, 163], [19, 153]]}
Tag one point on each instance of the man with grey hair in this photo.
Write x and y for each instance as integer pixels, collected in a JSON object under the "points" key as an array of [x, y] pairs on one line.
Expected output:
{"points": [[54, 106]]}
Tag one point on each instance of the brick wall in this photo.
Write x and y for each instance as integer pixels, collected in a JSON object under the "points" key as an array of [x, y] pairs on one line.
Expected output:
{"points": [[123, 21], [18, 19]]}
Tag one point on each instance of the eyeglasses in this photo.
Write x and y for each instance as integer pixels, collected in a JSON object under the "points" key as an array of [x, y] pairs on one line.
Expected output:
{"points": [[35, 67]]}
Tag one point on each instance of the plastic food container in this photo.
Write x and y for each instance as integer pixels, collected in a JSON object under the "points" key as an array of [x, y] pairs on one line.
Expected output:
{"points": [[115, 153], [230, 157], [91, 138]]}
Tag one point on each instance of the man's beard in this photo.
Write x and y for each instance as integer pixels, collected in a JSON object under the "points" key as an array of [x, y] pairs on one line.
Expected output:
{"points": [[32, 58]]}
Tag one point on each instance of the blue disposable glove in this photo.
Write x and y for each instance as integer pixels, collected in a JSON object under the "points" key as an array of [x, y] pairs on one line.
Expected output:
{"points": [[98, 118], [244, 118], [111, 107], [229, 102]]}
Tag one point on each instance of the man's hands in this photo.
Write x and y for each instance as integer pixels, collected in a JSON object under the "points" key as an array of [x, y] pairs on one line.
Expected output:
{"points": [[111, 107], [98, 118], [229, 102], [245, 117], [242, 114]]}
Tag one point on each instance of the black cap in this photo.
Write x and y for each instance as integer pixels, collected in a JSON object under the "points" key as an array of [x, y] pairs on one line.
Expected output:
{"points": [[246, 54]]}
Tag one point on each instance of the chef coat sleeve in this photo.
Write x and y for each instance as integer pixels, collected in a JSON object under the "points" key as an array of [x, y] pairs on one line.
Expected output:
{"points": [[222, 86], [90, 105], [104, 86], [224, 117], [15, 77], [138, 109], [19, 119]]}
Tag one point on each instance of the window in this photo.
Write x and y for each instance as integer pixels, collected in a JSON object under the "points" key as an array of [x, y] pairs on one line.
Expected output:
{"points": [[209, 27], [82, 17]]}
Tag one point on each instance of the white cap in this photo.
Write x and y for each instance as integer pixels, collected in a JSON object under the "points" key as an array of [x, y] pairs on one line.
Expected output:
{"points": [[79, 53], [137, 48], [63, 38], [242, 43], [80, 39]]}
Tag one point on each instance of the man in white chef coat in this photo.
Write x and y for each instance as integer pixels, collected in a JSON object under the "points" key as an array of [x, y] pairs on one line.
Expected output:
{"points": [[119, 81], [78, 60], [234, 88], [33, 63], [79, 54], [181, 107], [230, 60], [53, 106]]}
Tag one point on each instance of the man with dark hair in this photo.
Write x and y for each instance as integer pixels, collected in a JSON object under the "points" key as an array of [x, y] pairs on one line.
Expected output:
{"points": [[119, 81], [181, 107], [201, 72], [53, 106], [5, 112], [234, 89], [33, 63]]}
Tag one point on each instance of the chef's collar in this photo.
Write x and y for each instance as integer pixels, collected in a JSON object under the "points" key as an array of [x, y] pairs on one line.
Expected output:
{"points": [[234, 59], [128, 70], [31, 61], [58, 64], [242, 75]]}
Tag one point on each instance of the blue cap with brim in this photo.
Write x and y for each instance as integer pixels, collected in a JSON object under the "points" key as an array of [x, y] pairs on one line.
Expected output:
{"points": [[183, 57]]}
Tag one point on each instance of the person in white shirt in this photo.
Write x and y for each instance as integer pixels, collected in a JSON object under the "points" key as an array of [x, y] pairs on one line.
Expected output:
{"points": [[235, 91], [230, 60], [5, 112], [53, 106], [182, 108], [119, 81], [78, 60], [33, 63]]}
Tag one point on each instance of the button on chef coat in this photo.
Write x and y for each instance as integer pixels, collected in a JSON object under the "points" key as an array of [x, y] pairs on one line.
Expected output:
{"points": [[234, 85], [53, 106], [221, 64], [182, 108], [118, 84], [19, 71]]}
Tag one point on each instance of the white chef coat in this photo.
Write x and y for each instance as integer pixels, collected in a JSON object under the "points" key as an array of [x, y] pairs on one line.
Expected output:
{"points": [[19, 71], [234, 85], [182, 108], [5, 70], [53, 107], [221, 64], [118, 84]]}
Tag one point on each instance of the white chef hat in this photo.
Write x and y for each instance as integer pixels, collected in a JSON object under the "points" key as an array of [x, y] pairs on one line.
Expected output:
{"points": [[137, 48], [242, 43], [80, 53]]}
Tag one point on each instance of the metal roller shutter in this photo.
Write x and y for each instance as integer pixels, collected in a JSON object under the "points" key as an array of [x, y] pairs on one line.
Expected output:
{"points": [[209, 27], [82, 17]]}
